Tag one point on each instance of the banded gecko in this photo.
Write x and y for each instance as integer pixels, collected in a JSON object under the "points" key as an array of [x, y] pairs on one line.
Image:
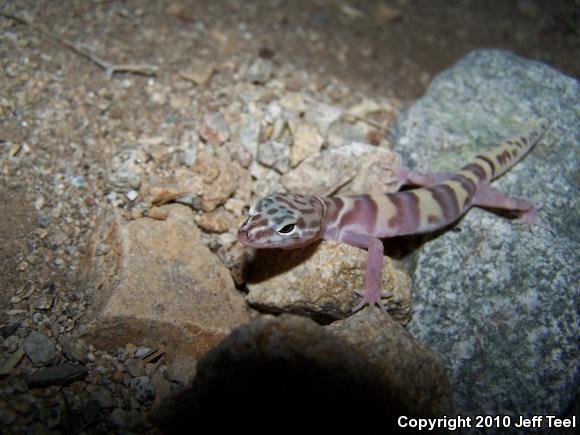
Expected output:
{"points": [[287, 220]]}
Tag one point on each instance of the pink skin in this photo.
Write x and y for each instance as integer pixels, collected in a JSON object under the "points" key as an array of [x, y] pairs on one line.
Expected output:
{"points": [[373, 292], [524, 209], [486, 196]]}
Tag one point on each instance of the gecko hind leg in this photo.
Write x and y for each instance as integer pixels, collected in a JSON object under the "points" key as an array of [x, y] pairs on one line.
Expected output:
{"points": [[525, 211]]}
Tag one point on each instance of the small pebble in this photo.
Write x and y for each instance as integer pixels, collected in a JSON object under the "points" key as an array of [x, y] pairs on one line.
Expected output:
{"points": [[118, 417], [135, 367], [142, 351], [260, 70], [78, 181], [132, 195], [103, 396], [40, 349], [142, 388], [101, 249]]}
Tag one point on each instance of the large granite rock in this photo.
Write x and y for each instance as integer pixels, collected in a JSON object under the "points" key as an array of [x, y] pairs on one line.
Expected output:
{"points": [[155, 283], [288, 375], [500, 303]]}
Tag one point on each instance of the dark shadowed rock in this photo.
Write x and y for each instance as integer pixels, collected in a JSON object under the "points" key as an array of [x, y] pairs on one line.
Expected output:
{"points": [[60, 374], [406, 365], [288, 375]]}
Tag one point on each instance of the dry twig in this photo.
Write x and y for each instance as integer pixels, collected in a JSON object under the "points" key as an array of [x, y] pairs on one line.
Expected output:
{"points": [[110, 68]]}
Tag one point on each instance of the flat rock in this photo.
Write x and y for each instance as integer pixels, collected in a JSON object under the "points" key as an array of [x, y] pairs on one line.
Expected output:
{"points": [[321, 115], [198, 73], [497, 301], [60, 374], [248, 133], [351, 169], [319, 281], [158, 285], [306, 142], [275, 154], [289, 369], [74, 350]]}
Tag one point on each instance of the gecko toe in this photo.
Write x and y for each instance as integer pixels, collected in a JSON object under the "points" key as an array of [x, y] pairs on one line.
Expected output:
{"points": [[371, 298], [531, 219], [382, 306], [359, 306]]}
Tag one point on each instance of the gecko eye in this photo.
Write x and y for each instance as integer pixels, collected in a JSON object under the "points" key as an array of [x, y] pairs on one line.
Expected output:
{"points": [[287, 229]]}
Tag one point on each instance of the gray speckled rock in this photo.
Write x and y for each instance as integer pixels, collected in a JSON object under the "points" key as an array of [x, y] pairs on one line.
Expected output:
{"points": [[498, 302]]}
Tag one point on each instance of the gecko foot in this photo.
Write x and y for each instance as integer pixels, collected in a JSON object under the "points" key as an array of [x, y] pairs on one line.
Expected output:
{"points": [[372, 298], [531, 219]]}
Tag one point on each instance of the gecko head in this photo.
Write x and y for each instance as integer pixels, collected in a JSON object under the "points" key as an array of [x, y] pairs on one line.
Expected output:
{"points": [[283, 220]]}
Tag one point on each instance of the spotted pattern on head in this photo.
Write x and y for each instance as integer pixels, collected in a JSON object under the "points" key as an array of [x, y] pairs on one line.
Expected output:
{"points": [[283, 220]]}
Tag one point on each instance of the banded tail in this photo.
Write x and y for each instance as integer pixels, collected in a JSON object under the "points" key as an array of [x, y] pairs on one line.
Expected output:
{"points": [[500, 159]]}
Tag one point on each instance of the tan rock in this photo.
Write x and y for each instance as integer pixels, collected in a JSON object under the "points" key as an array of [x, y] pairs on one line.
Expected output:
{"points": [[176, 187], [157, 284], [306, 142], [221, 178], [342, 170], [198, 73], [293, 102], [214, 128], [320, 280], [157, 213], [212, 180], [186, 12], [237, 259], [217, 221]]}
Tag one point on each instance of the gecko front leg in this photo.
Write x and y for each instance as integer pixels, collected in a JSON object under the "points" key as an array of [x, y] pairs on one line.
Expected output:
{"points": [[372, 293]]}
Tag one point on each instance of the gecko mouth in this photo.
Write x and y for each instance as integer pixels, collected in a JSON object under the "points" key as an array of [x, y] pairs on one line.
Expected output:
{"points": [[243, 237]]}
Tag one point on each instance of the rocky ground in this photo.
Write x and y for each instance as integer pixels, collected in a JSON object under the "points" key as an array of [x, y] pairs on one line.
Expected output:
{"points": [[199, 85]]}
